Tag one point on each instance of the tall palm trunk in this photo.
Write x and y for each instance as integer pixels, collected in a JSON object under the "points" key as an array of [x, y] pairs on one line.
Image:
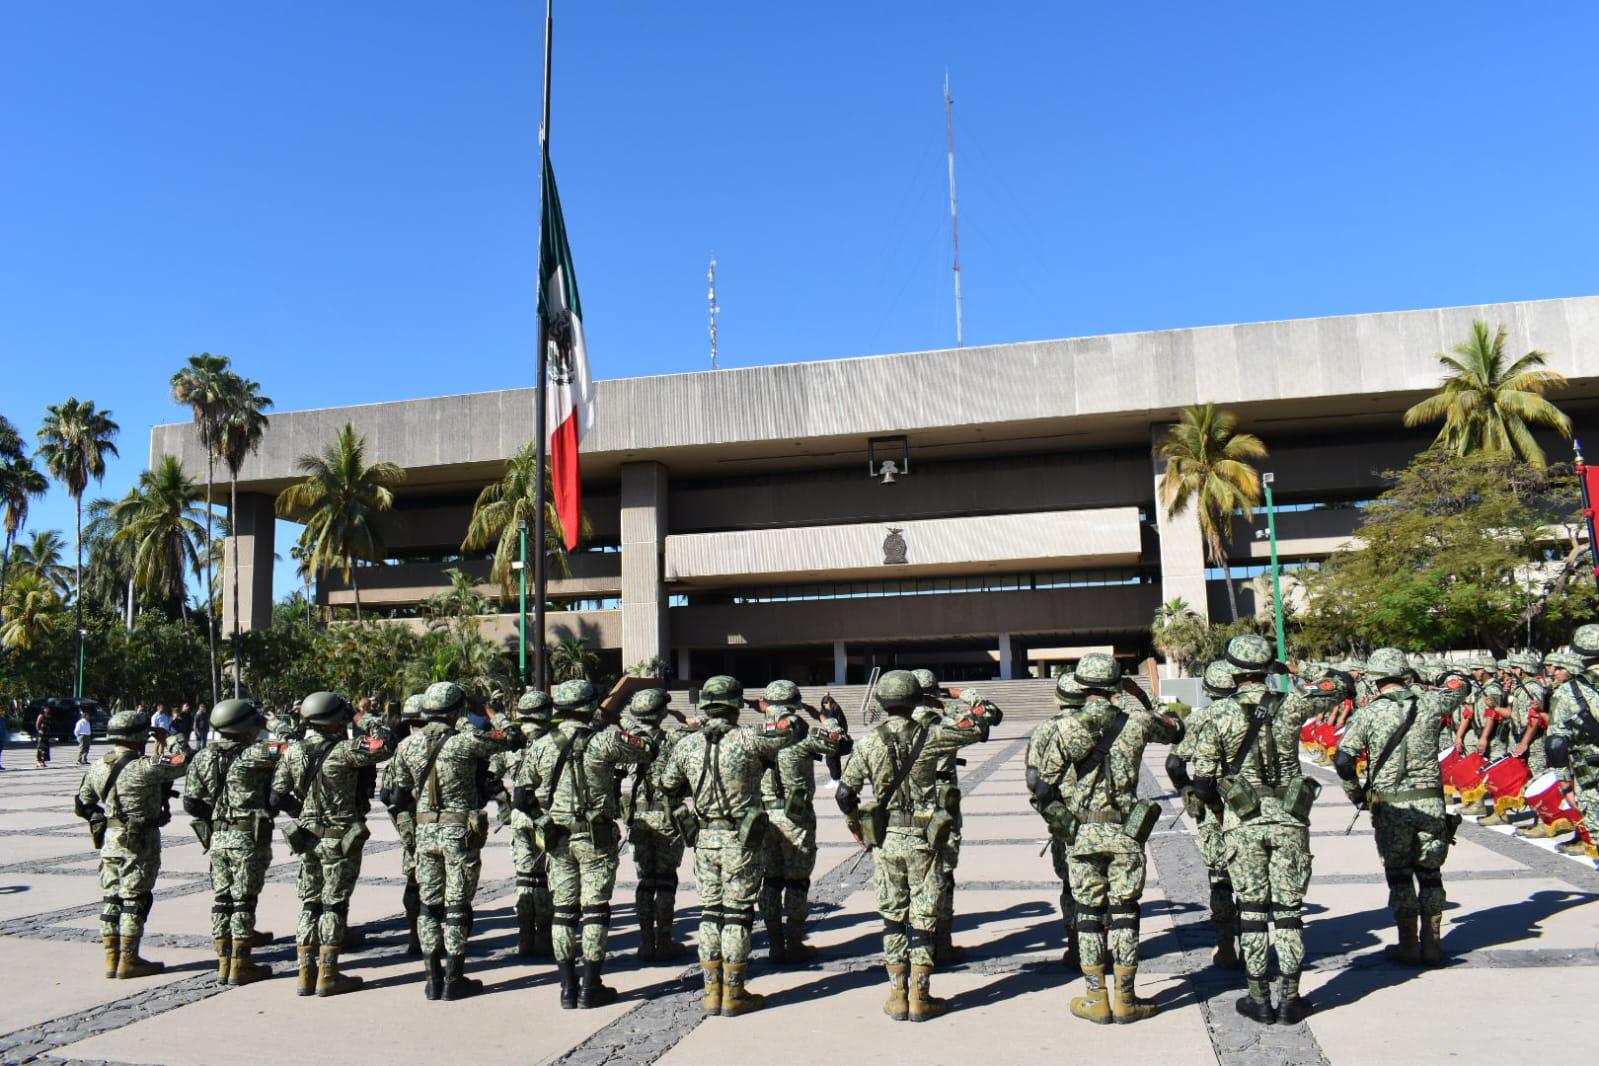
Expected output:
{"points": [[5, 562], [1225, 563], [130, 605], [210, 598], [77, 595], [233, 521], [355, 587]]}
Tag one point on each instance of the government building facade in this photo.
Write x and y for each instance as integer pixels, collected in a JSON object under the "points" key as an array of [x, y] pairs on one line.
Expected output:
{"points": [[987, 512]]}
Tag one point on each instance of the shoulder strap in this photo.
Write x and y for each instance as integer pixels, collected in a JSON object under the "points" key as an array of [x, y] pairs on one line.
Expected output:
{"points": [[905, 768], [560, 768], [429, 778], [313, 769], [225, 762], [1094, 758], [108, 793], [1257, 721], [1389, 748]]}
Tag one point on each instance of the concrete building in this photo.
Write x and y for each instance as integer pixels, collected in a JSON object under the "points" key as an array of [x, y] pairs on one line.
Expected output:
{"points": [[736, 527]]}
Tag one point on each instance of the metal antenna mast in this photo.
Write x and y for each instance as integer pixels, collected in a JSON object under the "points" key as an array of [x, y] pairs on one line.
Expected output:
{"points": [[711, 298], [954, 216]]}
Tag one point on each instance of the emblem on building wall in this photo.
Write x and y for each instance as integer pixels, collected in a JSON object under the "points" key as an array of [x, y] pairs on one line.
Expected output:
{"points": [[894, 547]]}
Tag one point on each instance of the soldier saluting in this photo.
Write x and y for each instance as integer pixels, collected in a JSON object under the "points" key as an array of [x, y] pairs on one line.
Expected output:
{"points": [[657, 843]]}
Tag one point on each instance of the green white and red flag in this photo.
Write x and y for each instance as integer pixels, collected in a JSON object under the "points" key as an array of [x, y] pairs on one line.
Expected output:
{"points": [[569, 389]]}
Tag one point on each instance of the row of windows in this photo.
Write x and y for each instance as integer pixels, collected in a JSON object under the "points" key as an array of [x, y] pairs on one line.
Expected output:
{"points": [[942, 585], [1244, 573]]}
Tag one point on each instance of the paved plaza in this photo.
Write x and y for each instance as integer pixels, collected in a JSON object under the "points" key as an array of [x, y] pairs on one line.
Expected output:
{"points": [[1519, 933]]}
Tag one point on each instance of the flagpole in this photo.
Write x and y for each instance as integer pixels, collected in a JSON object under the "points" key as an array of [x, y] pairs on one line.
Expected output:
{"points": [[540, 565]]}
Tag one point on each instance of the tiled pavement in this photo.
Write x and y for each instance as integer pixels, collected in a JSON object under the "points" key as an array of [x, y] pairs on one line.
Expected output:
{"points": [[1517, 920]]}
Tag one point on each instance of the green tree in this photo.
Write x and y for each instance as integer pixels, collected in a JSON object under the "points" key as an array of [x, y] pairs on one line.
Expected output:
{"points": [[203, 386], [1179, 634], [243, 423], [108, 576], [503, 507], [74, 442], [571, 660], [339, 502], [1208, 468], [1486, 406], [32, 614], [161, 519], [41, 554], [11, 446], [20, 484]]}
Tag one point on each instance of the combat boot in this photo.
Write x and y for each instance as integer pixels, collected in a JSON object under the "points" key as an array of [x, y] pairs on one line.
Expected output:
{"points": [[776, 946], [1574, 846], [245, 970], [945, 953], [799, 952], [896, 1006], [130, 965], [924, 1006], [1295, 1008], [456, 984], [735, 999], [413, 908], [1495, 818], [113, 948], [1408, 950], [592, 992], [1432, 949], [543, 939], [1256, 1005], [712, 1001], [526, 926], [567, 968], [306, 985], [433, 967], [648, 950], [224, 959], [1094, 1004], [329, 982], [1125, 1005], [1225, 957]]}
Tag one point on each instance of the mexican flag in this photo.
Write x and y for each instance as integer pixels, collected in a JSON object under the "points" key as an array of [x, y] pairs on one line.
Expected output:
{"points": [[568, 391]]}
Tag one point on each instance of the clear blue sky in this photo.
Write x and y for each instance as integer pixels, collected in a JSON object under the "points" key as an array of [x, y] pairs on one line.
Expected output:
{"points": [[343, 196]]}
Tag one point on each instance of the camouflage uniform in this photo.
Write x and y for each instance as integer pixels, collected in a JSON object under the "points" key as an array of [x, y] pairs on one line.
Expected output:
{"points": [[228, 790], [319, 781], [905, 871], [788, 793], [657, 843], [130, 813], [1529, 701], [1574, 728], [934, 712], [405, 826], [1406, 798], [534, 907], [1069, 699], [1268, 849], [575, 812], [719, 766]]}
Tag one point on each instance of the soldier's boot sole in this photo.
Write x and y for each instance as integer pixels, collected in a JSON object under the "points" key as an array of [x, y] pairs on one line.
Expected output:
{"points": [[113, 952], [592, 991], [306, 983], [1256, 1010], [329, 981], [130, 966], [897, 1006], [224, 960], [1295, 1010], [456, 984]]}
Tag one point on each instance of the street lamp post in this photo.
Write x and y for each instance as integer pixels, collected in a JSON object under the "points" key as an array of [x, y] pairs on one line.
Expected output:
{"points": [[521, 629], [1276, 572], [83, 635]]}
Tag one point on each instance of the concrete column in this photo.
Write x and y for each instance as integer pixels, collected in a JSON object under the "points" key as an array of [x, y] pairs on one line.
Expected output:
{"points": [[1182, 548], [684, 664], [644, 625], [1007, 649], [840, 663], [254, 531]]}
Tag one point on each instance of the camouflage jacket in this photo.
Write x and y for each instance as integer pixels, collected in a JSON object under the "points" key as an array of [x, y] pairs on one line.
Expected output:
{"points": [[788, 781], [287, 727], [1526, 697], [1565, 704], [1273, 760], [334, 796], [645, 796], [1199, 719], [1043, 735], [880, 754], [588, 781], [1104, 796], [459, 778], [138, 799], [1413, 765], [719, 766], [234, 780]]}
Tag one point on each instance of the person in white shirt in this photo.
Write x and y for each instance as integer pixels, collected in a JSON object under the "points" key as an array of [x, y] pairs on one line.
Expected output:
{"points": [[85, 734]]}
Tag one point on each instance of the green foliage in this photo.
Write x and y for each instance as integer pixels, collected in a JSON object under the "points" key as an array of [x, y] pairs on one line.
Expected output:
{"points": [[570, 660], [504, 507], [1180, 635]]}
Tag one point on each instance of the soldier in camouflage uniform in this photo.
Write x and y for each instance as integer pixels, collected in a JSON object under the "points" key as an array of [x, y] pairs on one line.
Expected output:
{"points": [[1219, 685], [1405, 795], [657, 842], [788, 793], [934, 711], [318, 783], [286, 725], [405, 826], [1574, 728], [1529, 724], [1069, 699], [719, 767], [227, 792], [904, 827], [1090, 768], [123, 797], [567, 785], [1247, 761], [534, 908]]}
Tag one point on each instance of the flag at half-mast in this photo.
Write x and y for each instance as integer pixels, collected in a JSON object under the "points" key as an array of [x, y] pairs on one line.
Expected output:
{"points": [[568, 389]]}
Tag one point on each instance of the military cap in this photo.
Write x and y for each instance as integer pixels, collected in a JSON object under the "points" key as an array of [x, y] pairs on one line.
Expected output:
{"points": [[649, 704], [1068, 693], [927, 680], [1388, 664], [534, 703], [128, 725], [1565, 660], [236, 716], [411, 709], [1097, 670], [1218, 680], [442, 699], [1585, 641], [781, 693], [897, 689], [325, 707], [1249, 653], [721, 694], [578, 696]]}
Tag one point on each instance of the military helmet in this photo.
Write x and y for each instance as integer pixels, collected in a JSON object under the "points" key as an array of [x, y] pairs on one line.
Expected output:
{"points": [[1388, 664], [411, 709], [1249, 653], [128, 725], [1357, 666], [782, 693], [236, 716], [1096, 670], [1525, 661], [442, 699], [325, 708], [575, 697], [898, 689], [1428, 670], [1068, 693], [1585, 641], [721, 695], [649, 704], [970, 696], [534, 704], [1218, 681], [1565, 660], [927, 680]]}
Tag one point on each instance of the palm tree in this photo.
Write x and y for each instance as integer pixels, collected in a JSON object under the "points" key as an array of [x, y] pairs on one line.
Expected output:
{"points": [[1489, 407], [108, 577], [74, 442], [42, 555], [10, 440], [243, 424], [571, 660], [161, 520], [31, 613], [1207, 467], [1178, 632], [20, 484], [203, 386], [339, 501], [503, 507], [302, 570]]}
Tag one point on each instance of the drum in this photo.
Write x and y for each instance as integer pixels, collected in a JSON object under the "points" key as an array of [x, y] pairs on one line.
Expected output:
{"points": [[1507, 777], [1307, 733], [1466, 773], [1543, 794], [1335, 738]]}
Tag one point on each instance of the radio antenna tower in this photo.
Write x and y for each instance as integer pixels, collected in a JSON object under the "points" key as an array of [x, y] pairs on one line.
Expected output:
{"points": [[711, 299], [954, 216]]}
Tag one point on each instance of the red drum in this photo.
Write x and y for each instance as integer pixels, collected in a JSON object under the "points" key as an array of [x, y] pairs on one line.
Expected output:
{"points": [[1506, 777], [1307, 733], [1544, 796], [1335, 738], [1466, 772], [1447, 760], [1324, 736]]}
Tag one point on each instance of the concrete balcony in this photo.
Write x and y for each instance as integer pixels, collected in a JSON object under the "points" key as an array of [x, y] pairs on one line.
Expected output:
{"points": [[593, 575]]}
